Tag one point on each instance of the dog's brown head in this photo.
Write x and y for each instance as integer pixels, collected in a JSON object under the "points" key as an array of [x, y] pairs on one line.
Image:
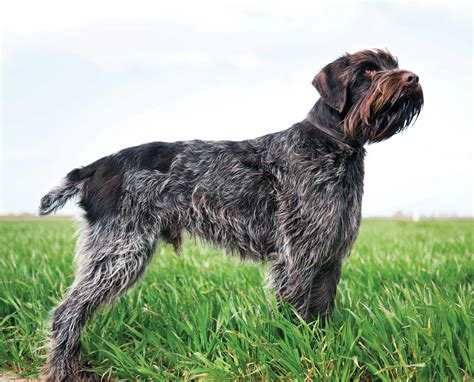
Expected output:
{"points": [[374, 98]]}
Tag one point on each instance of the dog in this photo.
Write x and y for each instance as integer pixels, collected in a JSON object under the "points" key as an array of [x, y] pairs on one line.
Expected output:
{"points": [[291, 198]]}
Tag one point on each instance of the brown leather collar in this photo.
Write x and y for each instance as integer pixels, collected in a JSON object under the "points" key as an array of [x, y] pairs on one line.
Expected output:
{"points": [[355, 144]]}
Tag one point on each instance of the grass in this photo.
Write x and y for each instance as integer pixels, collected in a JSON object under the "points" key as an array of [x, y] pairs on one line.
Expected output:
{"points": [[404, 311]]}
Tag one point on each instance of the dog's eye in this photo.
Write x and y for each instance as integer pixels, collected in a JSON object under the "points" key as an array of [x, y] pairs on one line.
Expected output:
{"points": [[369, 71]]}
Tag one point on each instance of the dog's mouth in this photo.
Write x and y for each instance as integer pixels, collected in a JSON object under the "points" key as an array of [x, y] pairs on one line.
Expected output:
{"points": [[405, 95], [397, 113], [388, 109]]}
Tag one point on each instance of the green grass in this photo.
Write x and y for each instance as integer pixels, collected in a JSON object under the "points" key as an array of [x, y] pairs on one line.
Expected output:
{"points": [[404, 311]]}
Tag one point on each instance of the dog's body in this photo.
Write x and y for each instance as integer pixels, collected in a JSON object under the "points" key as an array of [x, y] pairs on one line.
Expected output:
{"points": [[292, 198]]}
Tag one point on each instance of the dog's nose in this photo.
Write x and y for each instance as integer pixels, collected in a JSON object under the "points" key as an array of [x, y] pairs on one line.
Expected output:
{"points": [[410, 78]]}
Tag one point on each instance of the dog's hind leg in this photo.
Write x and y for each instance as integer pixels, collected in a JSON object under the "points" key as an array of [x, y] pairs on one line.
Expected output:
{"points": [[109, 262]]}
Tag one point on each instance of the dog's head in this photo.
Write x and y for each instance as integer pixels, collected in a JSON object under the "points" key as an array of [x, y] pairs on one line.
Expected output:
{"points": [[374, 98]]}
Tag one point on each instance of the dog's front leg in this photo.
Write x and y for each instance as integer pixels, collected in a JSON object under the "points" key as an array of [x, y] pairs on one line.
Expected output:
{"points": [[309, 288], [322, 293]]}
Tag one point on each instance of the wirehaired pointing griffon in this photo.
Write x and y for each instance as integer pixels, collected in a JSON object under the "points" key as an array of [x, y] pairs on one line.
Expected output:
{"points": [[292, 198]]}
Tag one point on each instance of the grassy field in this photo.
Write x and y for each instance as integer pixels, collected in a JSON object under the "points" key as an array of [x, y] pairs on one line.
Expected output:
{"points": [[404, 311]]}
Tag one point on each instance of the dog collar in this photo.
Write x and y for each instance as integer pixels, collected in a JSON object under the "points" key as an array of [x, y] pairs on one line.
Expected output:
{"points": [[354, 143]]}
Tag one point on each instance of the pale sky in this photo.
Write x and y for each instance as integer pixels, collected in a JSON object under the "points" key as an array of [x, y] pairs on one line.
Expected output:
{"points": [[82, 80]]}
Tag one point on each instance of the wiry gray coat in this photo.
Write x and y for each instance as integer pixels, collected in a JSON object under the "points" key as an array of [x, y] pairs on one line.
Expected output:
{"points": [[292, 198]]}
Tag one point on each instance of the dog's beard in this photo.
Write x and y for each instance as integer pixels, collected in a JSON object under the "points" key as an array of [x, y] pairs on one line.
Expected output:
{"points": [[387, 109]]}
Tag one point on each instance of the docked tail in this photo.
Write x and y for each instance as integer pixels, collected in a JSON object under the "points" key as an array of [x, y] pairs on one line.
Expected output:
{"points": [[57, 197], [72, 185]]}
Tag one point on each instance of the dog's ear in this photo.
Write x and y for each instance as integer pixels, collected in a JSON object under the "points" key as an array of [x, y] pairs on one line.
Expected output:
{"points": [[331, 84]]}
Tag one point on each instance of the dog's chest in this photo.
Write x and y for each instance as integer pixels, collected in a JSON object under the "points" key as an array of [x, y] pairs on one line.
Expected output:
{"points": [[320, 198]]}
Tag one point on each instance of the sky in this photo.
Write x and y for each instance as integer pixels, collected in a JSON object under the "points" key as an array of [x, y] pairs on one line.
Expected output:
{"points": [[85, 79]]}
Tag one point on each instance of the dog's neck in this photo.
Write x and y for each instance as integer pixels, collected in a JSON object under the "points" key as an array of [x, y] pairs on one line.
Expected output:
{"points": [[329, 121]]}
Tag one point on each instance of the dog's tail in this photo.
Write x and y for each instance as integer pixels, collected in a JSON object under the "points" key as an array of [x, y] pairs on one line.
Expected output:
{"points": [[72, 184]]}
